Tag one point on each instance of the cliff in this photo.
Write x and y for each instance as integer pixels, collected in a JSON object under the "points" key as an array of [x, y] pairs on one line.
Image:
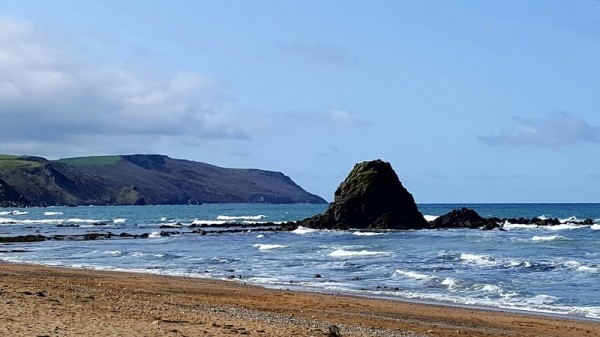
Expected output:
{"points": [[138, 180]]}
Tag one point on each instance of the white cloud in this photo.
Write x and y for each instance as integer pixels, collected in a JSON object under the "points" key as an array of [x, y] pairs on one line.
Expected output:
{"points": [[50, 96], [553, 130]]}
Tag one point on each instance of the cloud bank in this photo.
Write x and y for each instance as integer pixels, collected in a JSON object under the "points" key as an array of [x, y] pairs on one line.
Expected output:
{"points": [[50, 97], [552, 131]]}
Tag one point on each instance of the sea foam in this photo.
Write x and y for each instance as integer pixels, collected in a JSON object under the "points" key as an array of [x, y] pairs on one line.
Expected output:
{"points": [[358, 233], [154, 235], [430, 217], [15, 212], [480, 259], [586, 269], [78, 220], [241, 217], [208, 222], [565, 226], [303, 230], [413, 275], [342, 253], [548, 238], [509, 226], [451, 283], [268, 246]]}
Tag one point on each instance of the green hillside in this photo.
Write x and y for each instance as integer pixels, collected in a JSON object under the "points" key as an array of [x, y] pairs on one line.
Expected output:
{"points": [[143, 179]]}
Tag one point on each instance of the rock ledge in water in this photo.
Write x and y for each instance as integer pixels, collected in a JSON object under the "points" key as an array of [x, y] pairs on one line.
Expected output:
{"points": [[463, 218], [371, 197]]}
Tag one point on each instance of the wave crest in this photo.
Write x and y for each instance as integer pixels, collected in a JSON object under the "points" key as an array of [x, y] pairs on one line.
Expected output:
{"points": [[268, 246], [549, 238], [361, 253], [241, 217]]}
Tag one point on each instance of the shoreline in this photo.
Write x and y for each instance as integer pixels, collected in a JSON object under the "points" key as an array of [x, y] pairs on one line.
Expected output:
{"points": [[306, 290], [60, 301]]}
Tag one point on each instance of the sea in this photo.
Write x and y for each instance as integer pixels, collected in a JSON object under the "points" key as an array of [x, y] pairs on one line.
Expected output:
{"points": [[551, 270]]}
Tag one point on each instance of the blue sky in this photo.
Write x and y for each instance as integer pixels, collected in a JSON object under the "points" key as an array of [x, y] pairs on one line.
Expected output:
{"points": [[471, 101]]}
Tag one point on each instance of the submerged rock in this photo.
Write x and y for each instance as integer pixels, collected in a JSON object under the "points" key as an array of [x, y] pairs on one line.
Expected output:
{"points": [[371, 197]]}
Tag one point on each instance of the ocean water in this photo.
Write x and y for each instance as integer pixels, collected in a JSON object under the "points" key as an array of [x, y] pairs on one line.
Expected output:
{"points": [[541, 269]]}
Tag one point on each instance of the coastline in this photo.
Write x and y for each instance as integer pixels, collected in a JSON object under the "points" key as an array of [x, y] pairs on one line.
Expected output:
{"points": [[56, 301]]}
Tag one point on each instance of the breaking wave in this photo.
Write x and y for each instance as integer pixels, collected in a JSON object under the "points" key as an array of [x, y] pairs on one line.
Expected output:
{"points": [[303, 230], [548, 238], [342, 253], [268, 246], [241, 217]]}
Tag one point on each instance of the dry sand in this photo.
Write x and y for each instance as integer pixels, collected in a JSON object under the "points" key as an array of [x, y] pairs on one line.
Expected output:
{"points": [[45, 301]]}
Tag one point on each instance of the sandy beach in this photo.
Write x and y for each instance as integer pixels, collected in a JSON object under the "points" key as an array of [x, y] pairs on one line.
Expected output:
{"points": [[49, 301]]}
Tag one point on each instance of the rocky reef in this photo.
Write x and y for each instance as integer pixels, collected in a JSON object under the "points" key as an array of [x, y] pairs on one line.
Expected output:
{"points": [[371, 197], [464, 218]]}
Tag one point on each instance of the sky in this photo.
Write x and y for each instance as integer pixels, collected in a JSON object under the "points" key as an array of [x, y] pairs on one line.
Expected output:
{"points": [[470, 101]]}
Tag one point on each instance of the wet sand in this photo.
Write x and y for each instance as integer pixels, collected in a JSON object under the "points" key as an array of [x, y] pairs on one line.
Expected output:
{"points": [[48, 301]]}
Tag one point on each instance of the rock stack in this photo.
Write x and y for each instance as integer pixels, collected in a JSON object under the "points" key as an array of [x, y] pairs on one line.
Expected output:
{"points": [[371, 197]]}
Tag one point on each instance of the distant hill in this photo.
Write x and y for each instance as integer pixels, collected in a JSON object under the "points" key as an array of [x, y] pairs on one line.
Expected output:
{"points": [[139, 180]]}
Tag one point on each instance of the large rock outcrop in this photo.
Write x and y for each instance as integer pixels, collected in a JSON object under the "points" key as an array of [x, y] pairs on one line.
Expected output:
{"points": [[371, 197]]}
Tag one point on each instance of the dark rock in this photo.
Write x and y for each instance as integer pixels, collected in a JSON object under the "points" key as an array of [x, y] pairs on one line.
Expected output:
{"points": [[176, 225], [96, 236], [333, 331], [463, 218], [9, 197], [235, 224], [539, 222], [14, 251], [371, 197], [199, 231], [22, 238], [318, 276]]}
